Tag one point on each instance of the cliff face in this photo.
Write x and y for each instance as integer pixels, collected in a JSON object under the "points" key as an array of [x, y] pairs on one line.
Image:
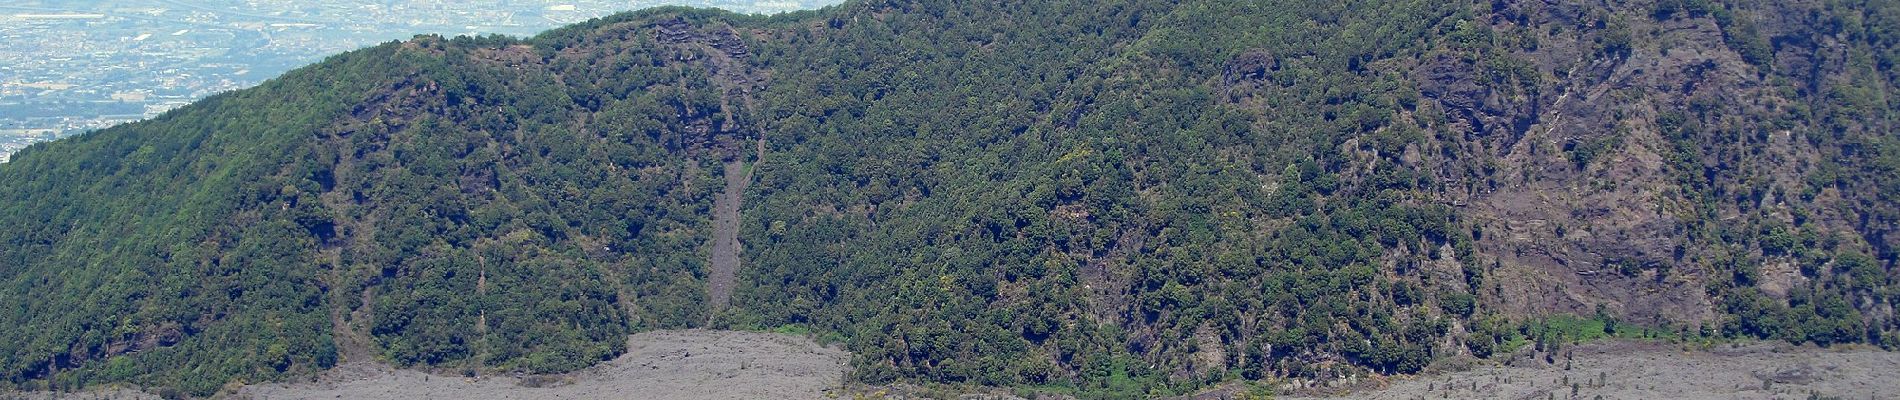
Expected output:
{"points": [[1116, 198], [1645, 163]]}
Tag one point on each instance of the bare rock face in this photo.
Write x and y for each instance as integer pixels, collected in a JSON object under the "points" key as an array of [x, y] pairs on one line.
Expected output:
{"points": [[723, 52], [674, 30], [1253, 65], [1468, 99], [1582, 206]]}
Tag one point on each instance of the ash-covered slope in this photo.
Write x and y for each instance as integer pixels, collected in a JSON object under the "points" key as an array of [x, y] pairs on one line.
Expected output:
{"points": [[1131, 197]]}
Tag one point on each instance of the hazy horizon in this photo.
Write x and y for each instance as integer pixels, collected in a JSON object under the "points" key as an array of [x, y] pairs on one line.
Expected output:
{"points": [[75, 66]]}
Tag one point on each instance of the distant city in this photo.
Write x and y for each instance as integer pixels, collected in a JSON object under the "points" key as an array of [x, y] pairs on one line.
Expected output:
{"points": [[72, 66]]}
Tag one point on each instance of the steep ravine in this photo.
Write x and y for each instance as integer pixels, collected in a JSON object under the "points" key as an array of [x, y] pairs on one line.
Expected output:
{"points": [[725, 251]]}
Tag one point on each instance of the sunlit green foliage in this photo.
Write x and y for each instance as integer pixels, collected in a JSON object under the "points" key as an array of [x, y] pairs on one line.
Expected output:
{"points": [[1072, 196]]}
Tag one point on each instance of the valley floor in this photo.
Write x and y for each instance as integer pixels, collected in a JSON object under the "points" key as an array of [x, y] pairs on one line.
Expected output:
{"points": [[709, 365], [658, 365], [1632, 370]]}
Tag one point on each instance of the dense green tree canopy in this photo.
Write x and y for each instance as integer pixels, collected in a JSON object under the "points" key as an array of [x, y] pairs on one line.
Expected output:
{"points": [[1117, 198]]}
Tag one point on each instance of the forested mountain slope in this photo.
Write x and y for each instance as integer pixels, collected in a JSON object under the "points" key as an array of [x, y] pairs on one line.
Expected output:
{"points": [[1114, 198]]}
